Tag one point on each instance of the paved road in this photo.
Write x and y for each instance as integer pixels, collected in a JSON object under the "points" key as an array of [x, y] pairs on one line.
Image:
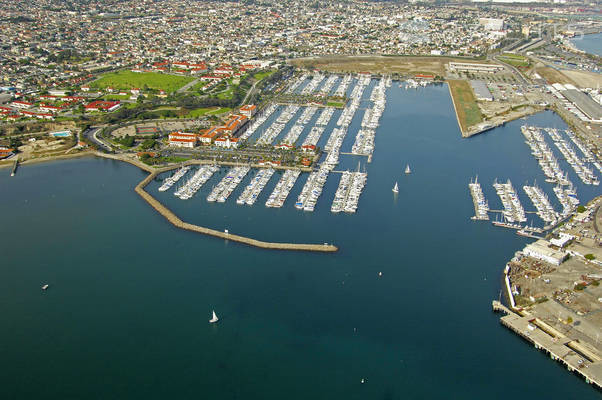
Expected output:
{"points": [[250, 92], [91, 134], [187, 86]]}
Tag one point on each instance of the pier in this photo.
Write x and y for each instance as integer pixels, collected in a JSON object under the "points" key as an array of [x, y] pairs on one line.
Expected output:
{"points": [[577, 357], [15, 166], [176, 221]]}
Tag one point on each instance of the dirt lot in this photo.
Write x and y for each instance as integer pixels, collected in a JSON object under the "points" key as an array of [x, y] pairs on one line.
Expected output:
{"points": [[37, 127], [379, 64], [581, 79], [553, 76], [584, 79], [44, 147]]}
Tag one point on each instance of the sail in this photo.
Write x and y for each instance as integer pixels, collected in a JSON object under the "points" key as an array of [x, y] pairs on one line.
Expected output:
{"points": [[214, 319], [408, 170]]}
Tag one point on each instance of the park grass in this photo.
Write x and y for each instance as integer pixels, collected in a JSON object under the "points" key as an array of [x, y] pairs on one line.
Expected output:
{"points": [[226, 94], [127, 80], [337, 104], [201, 112], [264, 74], [467, 109], [116, 97], [515, 60]]}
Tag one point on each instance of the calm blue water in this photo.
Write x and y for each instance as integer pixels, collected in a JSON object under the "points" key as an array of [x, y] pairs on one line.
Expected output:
{"points": [[589, 43], [126, 312]]}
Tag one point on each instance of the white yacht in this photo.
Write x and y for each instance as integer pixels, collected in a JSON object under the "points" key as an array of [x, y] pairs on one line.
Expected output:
{"points": [[396, 188]]}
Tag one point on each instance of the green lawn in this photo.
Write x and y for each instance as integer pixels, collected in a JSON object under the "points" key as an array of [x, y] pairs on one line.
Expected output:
{"points": [[335, 104], [514, 59], [127, 80], [264, 74], [227, 94], [116, 97], [199, 112]]}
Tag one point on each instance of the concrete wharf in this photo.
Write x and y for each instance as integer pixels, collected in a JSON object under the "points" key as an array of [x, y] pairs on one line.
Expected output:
{"points": [[577, 357]]}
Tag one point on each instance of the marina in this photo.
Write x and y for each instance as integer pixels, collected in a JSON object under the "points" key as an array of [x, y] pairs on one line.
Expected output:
{"points": [[222, 191], [545, 211], [542, 152], [200, 177], [313, 84], [313, 136], [328, 85], [262, 297], [283, 188], [481, 207], [513, 209], [348, 192], [325, 116], [258, 121], [312, 190], [585, 173], [341, 90], [293, 134], [254, 188], [296, 84], [169, 182]]}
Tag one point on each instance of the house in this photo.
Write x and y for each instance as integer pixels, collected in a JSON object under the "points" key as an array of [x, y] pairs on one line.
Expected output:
{"points": [[6, 152], [227, 142], [181, 139], [21, 104], [100, 105], [210, 135], [248, 110], [47, 108]]}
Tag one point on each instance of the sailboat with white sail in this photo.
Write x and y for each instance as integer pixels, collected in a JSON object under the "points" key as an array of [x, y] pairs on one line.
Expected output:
{"points": [[214, 319], [396, 188]]}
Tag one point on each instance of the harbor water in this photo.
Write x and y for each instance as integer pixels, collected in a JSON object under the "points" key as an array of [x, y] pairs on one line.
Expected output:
{"points": [[589, 43], [129, 298]]}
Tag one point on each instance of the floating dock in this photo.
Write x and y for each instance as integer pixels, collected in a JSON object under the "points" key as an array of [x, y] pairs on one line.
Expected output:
{"points": [[481, 207]]}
